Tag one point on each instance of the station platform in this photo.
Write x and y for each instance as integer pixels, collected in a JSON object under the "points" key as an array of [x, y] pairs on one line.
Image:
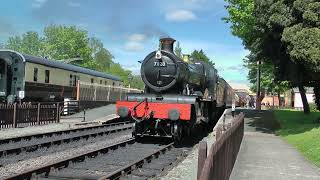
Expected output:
{"points": [[93, 117], [263, 155]]}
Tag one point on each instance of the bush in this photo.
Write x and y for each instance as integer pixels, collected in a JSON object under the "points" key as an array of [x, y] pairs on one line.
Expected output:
{"points": [[313, 107]]}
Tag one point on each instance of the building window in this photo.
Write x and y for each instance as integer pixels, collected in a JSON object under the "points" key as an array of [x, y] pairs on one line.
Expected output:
{"points": [[47, 77], [105, 82], [92, 80], [113, 84], [100, 81], [71, 80], [35, 74]]}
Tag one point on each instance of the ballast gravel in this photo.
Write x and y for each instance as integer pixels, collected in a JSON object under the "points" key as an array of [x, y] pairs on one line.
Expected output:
{"points": [[31, 163], [13, 158]]}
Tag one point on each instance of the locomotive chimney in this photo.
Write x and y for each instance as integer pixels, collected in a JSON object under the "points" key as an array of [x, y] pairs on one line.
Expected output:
{"points": [[167, 44]]}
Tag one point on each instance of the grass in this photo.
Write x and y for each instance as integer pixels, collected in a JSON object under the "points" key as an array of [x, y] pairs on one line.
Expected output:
{"points": [[301, 131]]}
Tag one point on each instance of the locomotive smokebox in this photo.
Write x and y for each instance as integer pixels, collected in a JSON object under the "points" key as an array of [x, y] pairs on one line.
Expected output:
{"points": [[167, 44], [162, 70]]}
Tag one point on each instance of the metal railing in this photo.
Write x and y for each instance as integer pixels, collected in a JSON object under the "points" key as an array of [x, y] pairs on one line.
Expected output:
{"points": [[223, 153], [27, 114]]}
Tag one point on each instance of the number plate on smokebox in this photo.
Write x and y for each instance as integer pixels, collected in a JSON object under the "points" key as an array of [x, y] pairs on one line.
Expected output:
{"points": [[159, 64]]}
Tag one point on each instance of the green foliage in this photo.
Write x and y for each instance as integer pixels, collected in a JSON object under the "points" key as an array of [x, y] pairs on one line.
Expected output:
{"points": [[178, 50], [29, 43], [200, 55], [137, 82], [280, 32], [300, 130], [65, 42], [241, 18], [62, 42], [313, 107], [268, 80]]}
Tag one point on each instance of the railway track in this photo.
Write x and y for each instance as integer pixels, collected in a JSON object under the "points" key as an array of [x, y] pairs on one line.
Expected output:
{"points": [[126, 159], [50, 134], [34, 142]]}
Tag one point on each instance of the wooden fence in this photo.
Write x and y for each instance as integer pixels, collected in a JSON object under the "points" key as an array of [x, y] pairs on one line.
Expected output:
{"points": [[98, 92], [223, 153], [21, 115]]}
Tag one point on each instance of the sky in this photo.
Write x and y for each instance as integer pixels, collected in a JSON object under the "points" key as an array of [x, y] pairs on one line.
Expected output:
{"points": [[130, 29]]}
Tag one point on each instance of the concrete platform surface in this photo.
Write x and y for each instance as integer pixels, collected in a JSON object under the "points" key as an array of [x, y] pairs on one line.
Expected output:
{"points": [[264, 156], [94, 117]]}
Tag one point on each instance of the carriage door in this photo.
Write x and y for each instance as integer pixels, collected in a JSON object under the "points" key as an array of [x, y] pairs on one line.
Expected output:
{"points": [[3, 79]]}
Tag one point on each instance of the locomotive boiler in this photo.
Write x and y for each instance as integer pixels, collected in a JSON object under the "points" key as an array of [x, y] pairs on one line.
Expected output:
{"points": [[179, 93]]}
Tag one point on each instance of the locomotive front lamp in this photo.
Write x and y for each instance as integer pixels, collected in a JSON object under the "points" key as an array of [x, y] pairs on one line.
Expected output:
{"points": [[123, 112], [158, 55], [174, 114]]}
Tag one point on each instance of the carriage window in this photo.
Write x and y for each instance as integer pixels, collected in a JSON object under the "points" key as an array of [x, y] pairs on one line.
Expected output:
{"points": [[47, 78], [35, 74], [92, 80]]}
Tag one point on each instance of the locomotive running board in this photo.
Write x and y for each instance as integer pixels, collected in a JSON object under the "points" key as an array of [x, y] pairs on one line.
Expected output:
{"points": [[168, 98]]}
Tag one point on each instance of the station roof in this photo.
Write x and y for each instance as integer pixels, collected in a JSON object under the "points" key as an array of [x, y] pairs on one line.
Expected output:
{"points": [[69, 67]]}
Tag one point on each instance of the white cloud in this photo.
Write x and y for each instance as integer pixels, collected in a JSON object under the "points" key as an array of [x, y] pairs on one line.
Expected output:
{"points": [[180, 16], [38, 3], [73, 4], [138, 37], [133, 46], [135, 68]]}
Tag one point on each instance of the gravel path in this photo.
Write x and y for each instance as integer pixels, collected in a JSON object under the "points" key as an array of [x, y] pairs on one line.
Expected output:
{"points": [[60, 155]]}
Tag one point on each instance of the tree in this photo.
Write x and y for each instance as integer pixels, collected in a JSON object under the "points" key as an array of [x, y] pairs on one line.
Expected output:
{"points": [[200, 55], [65, 42], [117, 70], [178, 50], [137, 82], [100, 54], [29, 43], [283, 32]]}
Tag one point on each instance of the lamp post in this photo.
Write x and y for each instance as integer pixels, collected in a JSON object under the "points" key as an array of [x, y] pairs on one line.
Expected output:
{"points": [[130, 79]]}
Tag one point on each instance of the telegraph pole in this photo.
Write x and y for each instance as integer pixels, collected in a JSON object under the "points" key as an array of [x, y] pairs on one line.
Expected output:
{"points": [[258, 102]]}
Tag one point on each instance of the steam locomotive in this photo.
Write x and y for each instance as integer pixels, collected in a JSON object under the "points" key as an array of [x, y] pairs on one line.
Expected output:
{"points": [[179, 94]]}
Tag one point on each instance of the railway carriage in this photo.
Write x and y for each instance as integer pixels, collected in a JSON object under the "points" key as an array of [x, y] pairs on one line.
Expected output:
{"points": [[180, 93], [32, 78]]}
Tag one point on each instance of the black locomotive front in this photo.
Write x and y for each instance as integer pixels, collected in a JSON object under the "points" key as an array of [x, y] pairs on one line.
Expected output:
{"points": [[179, 94], [162, 70]]}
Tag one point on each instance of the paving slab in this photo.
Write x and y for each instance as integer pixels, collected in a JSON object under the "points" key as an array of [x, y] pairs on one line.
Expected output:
{"points": [[265, 156]]}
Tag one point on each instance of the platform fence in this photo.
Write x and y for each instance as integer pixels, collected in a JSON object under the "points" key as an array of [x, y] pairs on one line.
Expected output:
{"points": [[223, 153], [98, 92], [29, 114]]}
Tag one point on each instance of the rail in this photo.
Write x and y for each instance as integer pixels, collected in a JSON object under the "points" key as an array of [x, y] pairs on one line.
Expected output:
{"points": [[46, 168], [223, 153]]}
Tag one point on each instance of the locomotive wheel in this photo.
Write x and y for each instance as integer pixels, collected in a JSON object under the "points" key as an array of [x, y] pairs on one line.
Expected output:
{"points": [[177, 132]]}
